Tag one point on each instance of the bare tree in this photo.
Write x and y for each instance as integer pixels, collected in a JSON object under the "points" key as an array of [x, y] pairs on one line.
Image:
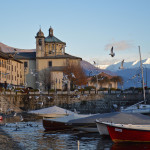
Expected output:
{"points": [[75, 74], [106, 79], [45, 78]]}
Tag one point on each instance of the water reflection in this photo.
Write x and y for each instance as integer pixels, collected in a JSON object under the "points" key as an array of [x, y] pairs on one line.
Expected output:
{"points": [[132, 146]]}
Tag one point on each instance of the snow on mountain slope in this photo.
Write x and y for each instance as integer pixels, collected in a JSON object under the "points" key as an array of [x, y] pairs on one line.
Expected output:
{"points": [[131, 73], [129, 65], [91, 70]]}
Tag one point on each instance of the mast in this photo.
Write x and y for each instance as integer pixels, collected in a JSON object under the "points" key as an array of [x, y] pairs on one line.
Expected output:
{"points": [[142, 76]]}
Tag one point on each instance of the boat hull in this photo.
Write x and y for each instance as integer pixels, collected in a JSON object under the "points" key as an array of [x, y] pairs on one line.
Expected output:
{"points": [[102, 128], [87, 127], [119, 134], [55, 125]]}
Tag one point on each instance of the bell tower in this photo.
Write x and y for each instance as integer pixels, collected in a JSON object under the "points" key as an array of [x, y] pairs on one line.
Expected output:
{"points": [[40, 45]]}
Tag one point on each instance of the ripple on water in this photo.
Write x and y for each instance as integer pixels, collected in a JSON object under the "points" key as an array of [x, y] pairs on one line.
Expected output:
{"points": [[31, 136]]}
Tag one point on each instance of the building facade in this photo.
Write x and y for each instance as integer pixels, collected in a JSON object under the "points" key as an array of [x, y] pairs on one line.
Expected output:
{"points": [[103, 80], [11, 71], [44, 68]]}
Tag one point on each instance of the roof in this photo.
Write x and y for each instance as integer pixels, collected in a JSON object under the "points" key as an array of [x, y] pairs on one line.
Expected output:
{"points": [[59, 56], [8, 56], [26, 55], [40, 34], [4, 55], [102, 74], [105, 75], [53, 39]]}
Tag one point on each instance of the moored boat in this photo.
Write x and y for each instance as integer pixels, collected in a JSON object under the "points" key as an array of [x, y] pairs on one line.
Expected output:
{"points": [[51, 112], [120, 118], [128, 132], [61, 123]]}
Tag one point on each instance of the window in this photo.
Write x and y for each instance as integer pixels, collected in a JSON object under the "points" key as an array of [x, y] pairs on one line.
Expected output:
{"points": [[40, 42], [52, 46], [50, 63], [25, 64]]}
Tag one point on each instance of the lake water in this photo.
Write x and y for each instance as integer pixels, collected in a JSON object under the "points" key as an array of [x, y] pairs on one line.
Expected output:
{"points": [[32, 136]]}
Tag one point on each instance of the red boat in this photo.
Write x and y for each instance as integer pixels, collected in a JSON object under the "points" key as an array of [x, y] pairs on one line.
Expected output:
{"points": [[128, 132]]}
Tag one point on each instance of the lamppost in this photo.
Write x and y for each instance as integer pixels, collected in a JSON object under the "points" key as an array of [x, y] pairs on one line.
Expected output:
{"points": [[96, 77]]}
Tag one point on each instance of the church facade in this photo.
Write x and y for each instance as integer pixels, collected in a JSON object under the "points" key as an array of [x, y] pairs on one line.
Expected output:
{"points": [[44, 68]]}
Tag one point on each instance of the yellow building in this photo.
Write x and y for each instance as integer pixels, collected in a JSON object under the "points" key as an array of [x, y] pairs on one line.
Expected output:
{"points": [[11, 70], [103, 80], [46, 64]]}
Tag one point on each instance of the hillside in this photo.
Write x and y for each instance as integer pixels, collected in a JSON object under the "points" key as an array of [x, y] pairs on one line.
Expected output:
{"points": [[8, 49], [91, 70]]}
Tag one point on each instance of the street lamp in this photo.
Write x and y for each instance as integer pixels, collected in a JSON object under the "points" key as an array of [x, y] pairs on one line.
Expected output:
{"points": [[96, 77]]}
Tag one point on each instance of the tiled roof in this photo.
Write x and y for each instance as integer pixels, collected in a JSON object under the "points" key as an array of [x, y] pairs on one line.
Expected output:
{"points": [[8, 56], [52, 39], [4, 55], [26, 55], [59, 56]]}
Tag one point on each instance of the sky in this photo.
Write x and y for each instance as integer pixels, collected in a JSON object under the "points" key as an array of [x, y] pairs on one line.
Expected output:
{"points": [[89, 27]]}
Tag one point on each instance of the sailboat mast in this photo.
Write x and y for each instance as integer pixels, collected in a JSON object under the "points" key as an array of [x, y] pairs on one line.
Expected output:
{"points": [[142, 76]]}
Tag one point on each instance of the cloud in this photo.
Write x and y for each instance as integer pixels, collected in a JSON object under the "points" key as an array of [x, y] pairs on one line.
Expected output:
{"points": [[119, 45]]}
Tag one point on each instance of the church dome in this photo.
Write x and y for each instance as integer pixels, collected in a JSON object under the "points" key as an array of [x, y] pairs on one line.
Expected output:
{"points": [[40, 34]]}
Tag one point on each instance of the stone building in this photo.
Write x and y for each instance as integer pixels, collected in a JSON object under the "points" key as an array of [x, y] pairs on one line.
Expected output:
{"points": [[11, 70], [47, 63], [103, 80]]}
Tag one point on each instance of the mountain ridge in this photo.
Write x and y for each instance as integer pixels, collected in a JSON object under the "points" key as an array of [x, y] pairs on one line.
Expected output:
{"points": [[8, 49]]}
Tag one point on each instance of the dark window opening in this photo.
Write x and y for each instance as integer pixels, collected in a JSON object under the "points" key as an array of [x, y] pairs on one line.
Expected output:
{"points": [[25, 64], [50, 63]]}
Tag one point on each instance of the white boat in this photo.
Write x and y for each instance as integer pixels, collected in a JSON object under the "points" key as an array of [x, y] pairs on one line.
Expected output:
{"points": [[88, 124], [139, 107], [102, 128], [51, 112]]}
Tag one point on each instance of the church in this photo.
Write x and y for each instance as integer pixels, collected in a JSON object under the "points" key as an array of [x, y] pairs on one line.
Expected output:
{"points": [[44, 67]]}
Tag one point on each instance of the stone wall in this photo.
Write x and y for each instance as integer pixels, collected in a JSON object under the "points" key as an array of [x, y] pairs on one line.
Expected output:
{"points": [[84, 103]]}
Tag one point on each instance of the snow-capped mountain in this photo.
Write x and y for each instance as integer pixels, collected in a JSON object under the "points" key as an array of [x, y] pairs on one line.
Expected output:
{"points": [[129, 65], [131, 73]]}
